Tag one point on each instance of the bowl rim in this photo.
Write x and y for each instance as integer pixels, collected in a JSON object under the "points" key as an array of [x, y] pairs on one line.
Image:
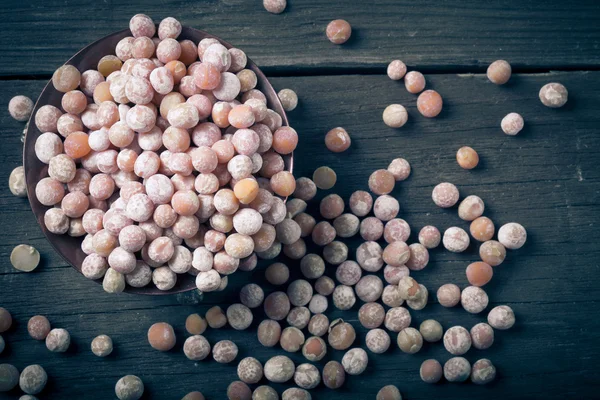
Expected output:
{"points": [[34, 168]]}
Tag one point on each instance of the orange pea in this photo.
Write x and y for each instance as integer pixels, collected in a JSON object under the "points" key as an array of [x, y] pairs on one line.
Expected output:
{"points": [[479, 273], [76, 145], [246, 190]]}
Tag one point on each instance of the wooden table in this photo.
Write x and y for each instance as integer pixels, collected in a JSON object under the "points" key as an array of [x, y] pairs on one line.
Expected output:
{"points": [[546, 178]]}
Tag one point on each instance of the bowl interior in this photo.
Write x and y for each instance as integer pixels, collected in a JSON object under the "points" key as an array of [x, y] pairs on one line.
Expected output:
{"points": [[70, 247]]}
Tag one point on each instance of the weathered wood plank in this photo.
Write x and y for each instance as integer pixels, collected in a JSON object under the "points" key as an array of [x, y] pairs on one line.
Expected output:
{"points": [[38, 36], [547, 178]]}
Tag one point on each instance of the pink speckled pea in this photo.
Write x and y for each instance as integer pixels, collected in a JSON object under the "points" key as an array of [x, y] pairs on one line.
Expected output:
{"points": [[396, 230], [168, 50], [445, 195], [80, 182], [176, 139], [48, 145], [56, 221], [259, 109], [143, 47], [164, 216], [142, 25], [245, 141], [186, 226], [430, 237], [184, 116], [62, 168], [73, 102], [393, 275], [396, 70], [106, 161], [68, 123], [265, 135], [204, 159], [75, 204], [124, 48], [181, 163], [429, 103], [240, 167], [206, 183], [225, 264], [285, 140], [117, 88], [272, 120], [89, 80], [169, 28], [187, 87], [49, 191], [456, 239], [203, 105], [206, 134], [224, 150], [226, 202], [512, 124], [414, 82], [89, 117], [386, 208], [122, 260], [141, 118], [164, 163], [139, 90], [107, 114], [47, 117], [222, 174], [126, 160], [140, 207], [419, 257], [217, 55], [130, 188], [381, 182], [338, 31], [169, 101], [161, 249], [238, 60], [185, 202], [229, 87], [214, 240], [114, 220], [272, 164], [220, 114], [162, 80], [146, 164], [254, 94], [92, 220], [207, 76], [499, 72], [151, 140], [99, 140]]}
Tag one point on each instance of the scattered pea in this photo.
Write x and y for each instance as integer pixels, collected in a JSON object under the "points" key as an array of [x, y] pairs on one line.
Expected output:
{"points": [[483, 372], [396, 70], [337, 140], [431, 371], [467, 158], [474, 299], [554, 95], [482, 336], [161, 336], [25, 258], [355, 361], [129, 387], [102, 345], [395, 116], [9, 377], [16, 182], [389, 392], [58, 340], [499, 72], [338, 31], [431, 330], [512, 124], [288, 98], [324, 178], [457, 369], [501, 317]]}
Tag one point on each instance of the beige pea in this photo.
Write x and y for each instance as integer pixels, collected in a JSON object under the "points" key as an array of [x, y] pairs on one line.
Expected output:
{"points": [[25, 258]]}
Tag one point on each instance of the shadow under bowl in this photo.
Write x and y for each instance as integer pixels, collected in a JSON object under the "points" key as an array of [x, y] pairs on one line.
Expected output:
{"points": [[70, 247]]}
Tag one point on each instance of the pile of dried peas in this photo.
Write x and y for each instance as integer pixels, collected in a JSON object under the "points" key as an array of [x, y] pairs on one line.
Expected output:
{"points": [[220, 198]]}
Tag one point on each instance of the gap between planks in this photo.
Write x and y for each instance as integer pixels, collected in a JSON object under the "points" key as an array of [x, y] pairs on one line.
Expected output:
{"points": [[293, 72]]}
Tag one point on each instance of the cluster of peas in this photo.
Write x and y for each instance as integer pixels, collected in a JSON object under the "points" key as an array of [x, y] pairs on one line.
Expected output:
{"points": [[180, 102], [199, 134]]}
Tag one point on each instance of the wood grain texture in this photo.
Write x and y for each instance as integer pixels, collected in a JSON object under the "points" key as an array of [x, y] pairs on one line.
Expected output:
{"points": [[36, 37], [546, 178]]}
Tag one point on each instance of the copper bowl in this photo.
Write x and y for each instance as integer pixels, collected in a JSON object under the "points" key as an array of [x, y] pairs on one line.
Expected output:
{"points": [[70, 247]]}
